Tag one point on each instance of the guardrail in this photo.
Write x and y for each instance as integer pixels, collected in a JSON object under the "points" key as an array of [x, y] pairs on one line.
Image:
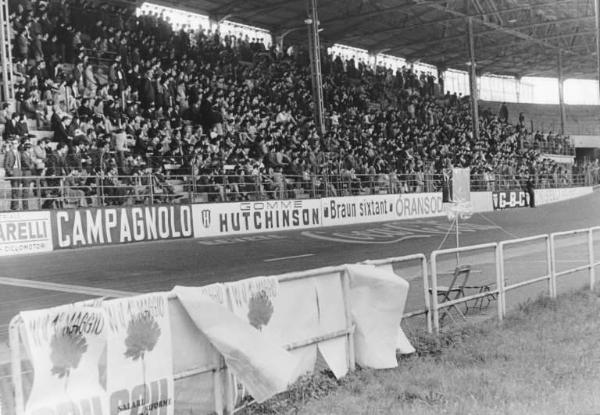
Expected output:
{"points": [[437, 306], [590, 266], [45, 192], [503, 287], [552, 147], [226, 394]]}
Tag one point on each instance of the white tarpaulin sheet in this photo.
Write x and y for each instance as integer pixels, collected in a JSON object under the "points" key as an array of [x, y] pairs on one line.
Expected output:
{"points": [[377, 298], [261, 365]]}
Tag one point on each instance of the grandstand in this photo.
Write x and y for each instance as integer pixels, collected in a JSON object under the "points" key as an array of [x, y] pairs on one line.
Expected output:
{"points": [[143, 104], [125, 122]]}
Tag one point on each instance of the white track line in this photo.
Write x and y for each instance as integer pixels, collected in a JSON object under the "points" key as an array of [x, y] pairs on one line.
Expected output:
{"points": [[67, 288], [283, 258]]}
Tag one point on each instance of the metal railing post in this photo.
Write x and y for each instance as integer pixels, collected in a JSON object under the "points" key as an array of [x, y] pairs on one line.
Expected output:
{"points": [[16, 368], [426, 292], [433, 293], [500, 278], [151, 188], [552, 248], [591, 258], [38, 183], [549, 267]]}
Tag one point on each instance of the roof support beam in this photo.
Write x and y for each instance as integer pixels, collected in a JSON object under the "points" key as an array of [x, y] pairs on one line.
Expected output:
{"points": [[484, 32], [490, 25], [236, 7], [368, 15], [451, 19]]}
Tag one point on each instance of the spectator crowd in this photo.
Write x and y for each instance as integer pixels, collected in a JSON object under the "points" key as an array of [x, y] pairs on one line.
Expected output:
{"points": [[127, 96]]}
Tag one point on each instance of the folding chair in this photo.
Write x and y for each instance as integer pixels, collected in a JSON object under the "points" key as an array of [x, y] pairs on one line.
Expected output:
{"points": [[481, 303], [454, 290]]}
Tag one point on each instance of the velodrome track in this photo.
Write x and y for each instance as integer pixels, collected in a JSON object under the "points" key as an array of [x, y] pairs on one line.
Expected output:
{"points": [[60, 277]]}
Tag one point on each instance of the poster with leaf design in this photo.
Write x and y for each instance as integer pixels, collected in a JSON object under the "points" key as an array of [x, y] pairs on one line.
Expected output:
{"points": [[66, 346], [139, 355], [254, 300]]}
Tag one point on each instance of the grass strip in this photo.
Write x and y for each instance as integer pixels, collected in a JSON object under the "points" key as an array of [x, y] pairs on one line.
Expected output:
{"points": [[543, 359]]}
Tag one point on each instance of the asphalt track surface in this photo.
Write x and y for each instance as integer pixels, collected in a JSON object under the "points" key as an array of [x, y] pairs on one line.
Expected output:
{"points": [[44, 280]]}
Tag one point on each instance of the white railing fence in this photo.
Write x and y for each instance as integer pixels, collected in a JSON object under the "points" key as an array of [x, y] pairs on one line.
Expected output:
{"points": [[498, 282], [550, 249]]}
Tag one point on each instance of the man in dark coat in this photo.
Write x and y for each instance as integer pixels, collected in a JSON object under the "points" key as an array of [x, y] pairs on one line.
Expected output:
{"points": [[147, 92], [12, 167]]}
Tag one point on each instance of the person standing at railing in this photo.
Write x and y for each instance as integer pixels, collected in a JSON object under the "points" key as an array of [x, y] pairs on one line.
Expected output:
{"points": [[12, 167], [27, 171], [595, 172]]}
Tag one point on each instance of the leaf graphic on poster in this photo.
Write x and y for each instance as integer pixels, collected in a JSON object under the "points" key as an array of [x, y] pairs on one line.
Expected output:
{"points": [[67, 347], [260, 309], [142, 335]]}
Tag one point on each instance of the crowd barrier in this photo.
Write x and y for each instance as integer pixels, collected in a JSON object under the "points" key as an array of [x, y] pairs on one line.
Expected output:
{"points": [[312, 315], [504, 282], [46, 230], [84, 190]]}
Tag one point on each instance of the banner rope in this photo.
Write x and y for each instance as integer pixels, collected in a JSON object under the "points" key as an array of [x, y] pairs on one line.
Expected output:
{"points": [[501, 228], [447, 233]]}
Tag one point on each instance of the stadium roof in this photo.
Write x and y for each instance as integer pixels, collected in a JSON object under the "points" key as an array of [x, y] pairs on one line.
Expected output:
{"points": [[513, 37]]}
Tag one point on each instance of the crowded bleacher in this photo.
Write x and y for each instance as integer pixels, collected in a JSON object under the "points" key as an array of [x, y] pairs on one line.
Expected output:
{"points": [[139, 111]]}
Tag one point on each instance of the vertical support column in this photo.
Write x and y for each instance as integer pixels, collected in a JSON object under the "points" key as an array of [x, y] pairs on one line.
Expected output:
{"points": [[597, 13], [441, 77], [561, 92], [473, 80], [6, 77], [314, 46]]}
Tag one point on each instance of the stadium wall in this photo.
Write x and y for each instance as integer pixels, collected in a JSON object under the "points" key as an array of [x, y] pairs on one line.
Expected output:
{"points": [[44, 231]]}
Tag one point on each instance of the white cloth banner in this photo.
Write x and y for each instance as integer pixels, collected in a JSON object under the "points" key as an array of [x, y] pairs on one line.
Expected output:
{"points": [[377, 297], [262, 366], [139, 355], [66, 346]]}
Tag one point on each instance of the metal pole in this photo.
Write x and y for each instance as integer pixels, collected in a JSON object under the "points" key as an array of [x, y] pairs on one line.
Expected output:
{"points": [[473, 80], [314, 46], [6, 77], [457, 244], [597, 12], [561, 93]]}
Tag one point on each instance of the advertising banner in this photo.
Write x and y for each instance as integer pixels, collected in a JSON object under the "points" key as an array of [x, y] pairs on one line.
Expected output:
{"points": [[461, 185], [214, 219], [66, 346], [264, 367], [545, 196], [25, 233], [419, 205], [358, 209], [315, 305], [104, 226], [379, 208], [510, 199], [139, 376]]}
